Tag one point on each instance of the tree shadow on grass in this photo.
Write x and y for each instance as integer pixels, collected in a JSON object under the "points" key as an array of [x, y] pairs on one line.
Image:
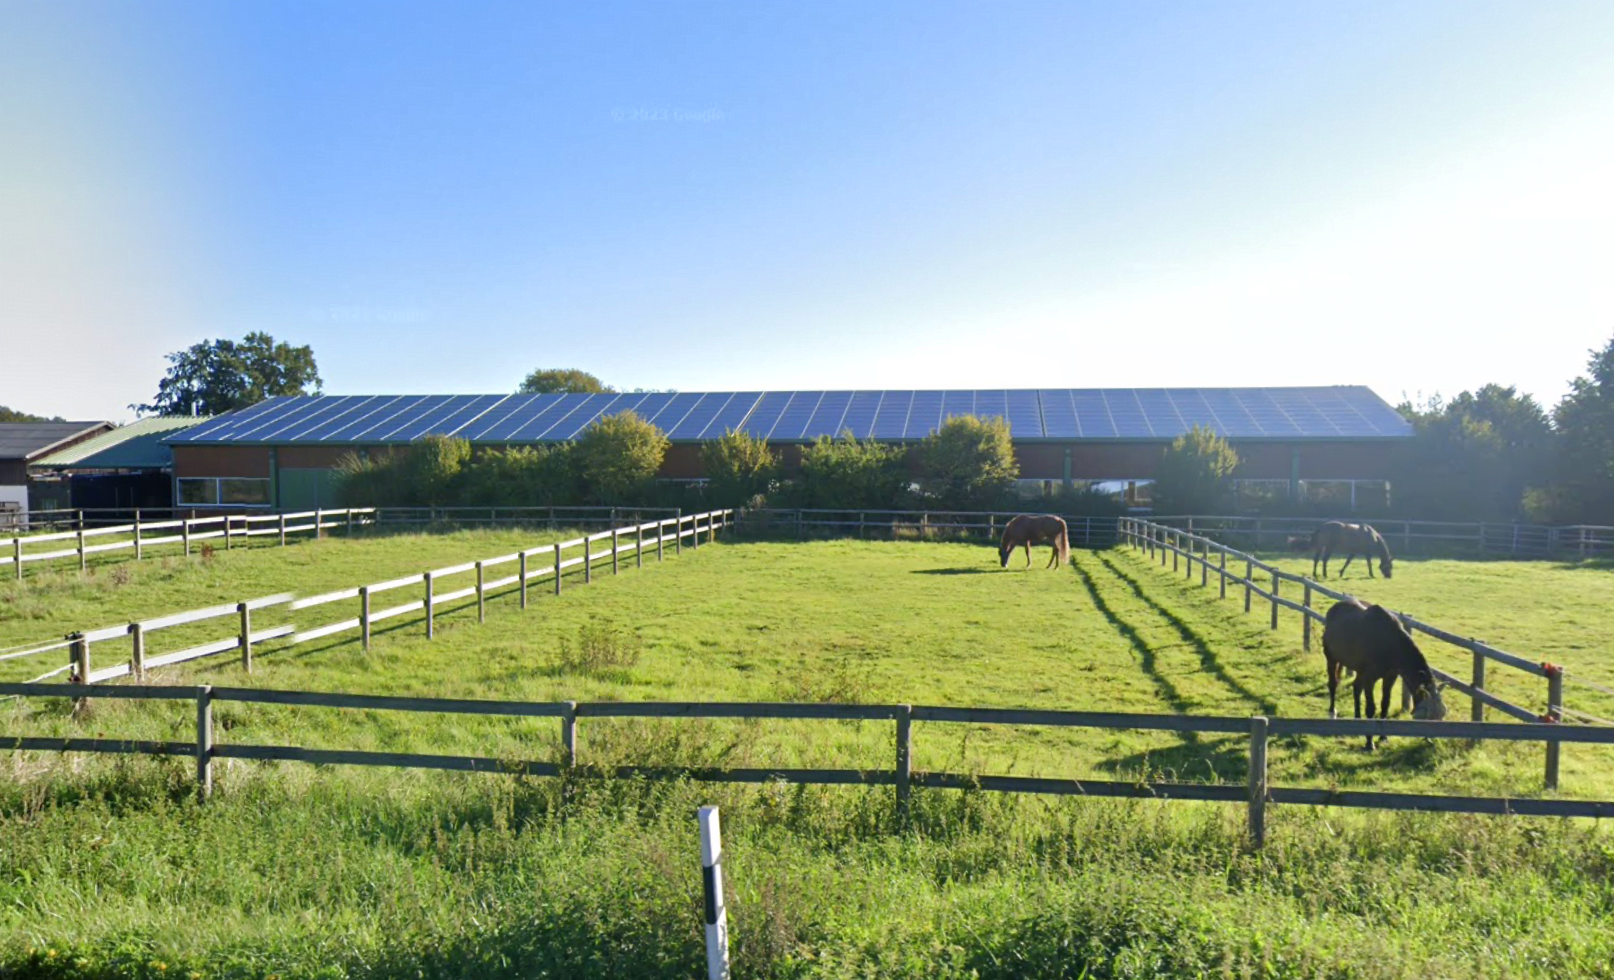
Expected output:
{"points": [[953, 571], [1218, 759]]}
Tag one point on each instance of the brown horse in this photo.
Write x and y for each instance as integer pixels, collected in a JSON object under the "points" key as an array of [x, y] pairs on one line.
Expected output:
{"points": [[1353, 540], [1024, 529], [1373, 643]]}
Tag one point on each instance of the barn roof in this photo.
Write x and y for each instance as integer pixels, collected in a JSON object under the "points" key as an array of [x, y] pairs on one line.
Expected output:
{"points": [[28, 440], [136, 446], [1034, 414]]}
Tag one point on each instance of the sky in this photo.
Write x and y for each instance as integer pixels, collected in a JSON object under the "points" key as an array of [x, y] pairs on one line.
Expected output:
{"points": [[438, 197]]}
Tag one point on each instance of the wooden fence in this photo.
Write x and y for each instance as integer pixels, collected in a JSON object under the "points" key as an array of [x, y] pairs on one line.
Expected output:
{"points": [[1184, 550], [184, 532], [1255, 795], [532, 564], [1409, 537], [1085, 531]]}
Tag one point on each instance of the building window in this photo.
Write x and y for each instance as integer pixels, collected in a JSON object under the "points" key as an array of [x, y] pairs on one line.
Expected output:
{"points": [[223, 491]]}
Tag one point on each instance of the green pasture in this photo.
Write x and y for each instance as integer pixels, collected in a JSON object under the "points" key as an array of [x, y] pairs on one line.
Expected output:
{"points": [[109, 868]]}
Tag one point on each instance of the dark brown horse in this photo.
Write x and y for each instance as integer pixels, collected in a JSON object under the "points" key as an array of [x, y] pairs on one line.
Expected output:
{"points": [[1372, 642], [1027, 530], [1353, 540]]}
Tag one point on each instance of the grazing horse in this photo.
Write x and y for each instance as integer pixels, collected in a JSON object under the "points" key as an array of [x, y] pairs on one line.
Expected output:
{"points": [[1372, 642], [1024, 529], [1353, 540]]}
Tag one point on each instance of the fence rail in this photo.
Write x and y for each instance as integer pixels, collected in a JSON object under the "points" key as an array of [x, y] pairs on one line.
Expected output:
{"points": [[634, 541], [191, 531], [1410, 537], [1256, 794], [1185, 549], [1085, 531]]}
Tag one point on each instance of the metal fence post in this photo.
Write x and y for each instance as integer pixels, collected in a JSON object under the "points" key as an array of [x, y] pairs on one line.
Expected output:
{"points": [[245, 640], [364, 617], [1258, 781], [431, 622], [904, 761], [1477, 709], [1555, 715], [204, 741]]}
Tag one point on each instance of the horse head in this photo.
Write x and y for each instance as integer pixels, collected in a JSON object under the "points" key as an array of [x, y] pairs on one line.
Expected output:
{"points": [[1426, 702], [1004, 551], [1384, 567]]}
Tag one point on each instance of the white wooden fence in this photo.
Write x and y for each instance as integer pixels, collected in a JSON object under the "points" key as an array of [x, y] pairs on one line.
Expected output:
{"points": [[141, 536], [1409, 537], [531, 565]]}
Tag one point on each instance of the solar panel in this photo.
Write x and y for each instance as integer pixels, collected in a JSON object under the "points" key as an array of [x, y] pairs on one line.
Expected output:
{"points": [[1128, 414], [592, 408], [353, 419], [374, 428], [275, 427], [793, 421], [891, 418], [666, 409], [860, 414], [826, 418], [505, 416], [766, 414], [925, 414], [1192, 410], [731, 415], [1093, 414], [700, 416], [957, 403], [1025, 414], [550, 409], [1303, 412], [989, 404]]}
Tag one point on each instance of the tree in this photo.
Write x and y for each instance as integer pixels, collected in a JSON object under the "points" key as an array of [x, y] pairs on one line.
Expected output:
{"points": [[1584, 464], [1471, 458], [431, 470], [548, 381], [968, 463], [12, 415], [1193, 473], [847, 474], [217, 376], [739, 466], [522, 476], [617, 458]]}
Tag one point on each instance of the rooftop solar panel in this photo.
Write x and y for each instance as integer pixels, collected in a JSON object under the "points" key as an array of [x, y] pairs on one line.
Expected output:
{"points": [[732, 414], [891, 418], [827, 417], [700, 416], [792, 424], [447, 418], [666, 413], [355, 417], [1127, 412], [591, 409], [924, 415], [860, 414], [1060, 418], [275, 426], [1025, 414], [506, 416], [551, 409], [766, 414]]}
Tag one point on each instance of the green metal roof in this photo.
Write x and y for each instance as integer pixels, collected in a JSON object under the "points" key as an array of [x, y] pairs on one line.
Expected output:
{"points": [[136, 446]]}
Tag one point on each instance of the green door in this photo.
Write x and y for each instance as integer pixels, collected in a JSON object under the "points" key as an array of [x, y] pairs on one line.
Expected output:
{"points": [[306, 489]]}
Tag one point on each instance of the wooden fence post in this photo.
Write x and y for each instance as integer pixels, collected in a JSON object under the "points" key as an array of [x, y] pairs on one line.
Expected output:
{"points": [[138, 549], [1204, 564], [431, 622], [81, 658], [185, 533], [1258, 781], [1555, 715], [137, 650], [16, 554], [521, 573], [711, 529], [1305, 617], [616, 546], [904, 761], [228, 521], [661, 535], [568, 735], [282, 530], [1222, 571], [1249, 570], [678, 536], [1477, 709], [638, 545], [481, 595], [244, 641], [557, 568], [204, 742], [588, 562], [1275, 581], [81, 565], [364, 617], [1176, 545]]}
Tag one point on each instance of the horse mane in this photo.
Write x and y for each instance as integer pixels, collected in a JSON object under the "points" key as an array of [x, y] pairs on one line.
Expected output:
{"points": [[1378, 541], [1412, 660]]}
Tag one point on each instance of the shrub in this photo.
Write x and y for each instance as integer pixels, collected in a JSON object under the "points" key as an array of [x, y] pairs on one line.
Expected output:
{"points": [[599, 649], [525, 476], [739, 466], [618, 457], [847, 474], [369, 481], [968, 463], [1193, 473]]}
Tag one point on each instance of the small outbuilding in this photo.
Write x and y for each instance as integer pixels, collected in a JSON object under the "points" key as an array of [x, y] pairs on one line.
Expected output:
{"points": [[21, 445]]}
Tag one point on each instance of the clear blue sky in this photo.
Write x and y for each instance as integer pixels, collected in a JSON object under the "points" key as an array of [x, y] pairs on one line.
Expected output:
{"points": [[439, 197]]}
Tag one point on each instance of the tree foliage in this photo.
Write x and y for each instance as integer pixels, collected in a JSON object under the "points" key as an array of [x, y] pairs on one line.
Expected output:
{"points": [[547, 381], [1471, 458], [739, 467], [1193, 473], [848, 474], [617, 458], [12, 415], [1583, 465], [217, 376], [968, 463]]}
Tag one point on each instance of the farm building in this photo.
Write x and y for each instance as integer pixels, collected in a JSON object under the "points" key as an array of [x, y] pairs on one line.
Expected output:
{"points": [[24, 443], [282, 452], [125, 468]]}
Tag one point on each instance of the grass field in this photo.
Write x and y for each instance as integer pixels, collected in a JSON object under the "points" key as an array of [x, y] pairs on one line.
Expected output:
{"points": [[409, 873]]}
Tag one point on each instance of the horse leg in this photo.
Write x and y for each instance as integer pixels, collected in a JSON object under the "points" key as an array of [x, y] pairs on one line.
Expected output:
{"points": [[1348, 556], [1367, 560], [1384, 707], [1028, 552], [1053, 556], [1369, 710], [1327, 554], [1333, 685]]}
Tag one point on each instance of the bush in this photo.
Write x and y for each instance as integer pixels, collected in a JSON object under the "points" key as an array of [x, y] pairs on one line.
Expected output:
{"points": [[739, 466], [1193, 474], [364, 481], [618, 457], [968, 463], [524, 476], [851, 475], [431, 471]]}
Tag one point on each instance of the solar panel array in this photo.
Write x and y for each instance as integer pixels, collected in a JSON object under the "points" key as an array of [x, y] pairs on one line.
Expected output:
{"points": [[1350, 412]]}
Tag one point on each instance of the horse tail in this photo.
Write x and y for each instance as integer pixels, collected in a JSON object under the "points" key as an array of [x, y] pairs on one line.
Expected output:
{"points": [[1063, 543]]}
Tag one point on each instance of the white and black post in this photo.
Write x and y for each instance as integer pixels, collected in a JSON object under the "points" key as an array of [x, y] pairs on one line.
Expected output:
{"points": [[717, 926]]}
